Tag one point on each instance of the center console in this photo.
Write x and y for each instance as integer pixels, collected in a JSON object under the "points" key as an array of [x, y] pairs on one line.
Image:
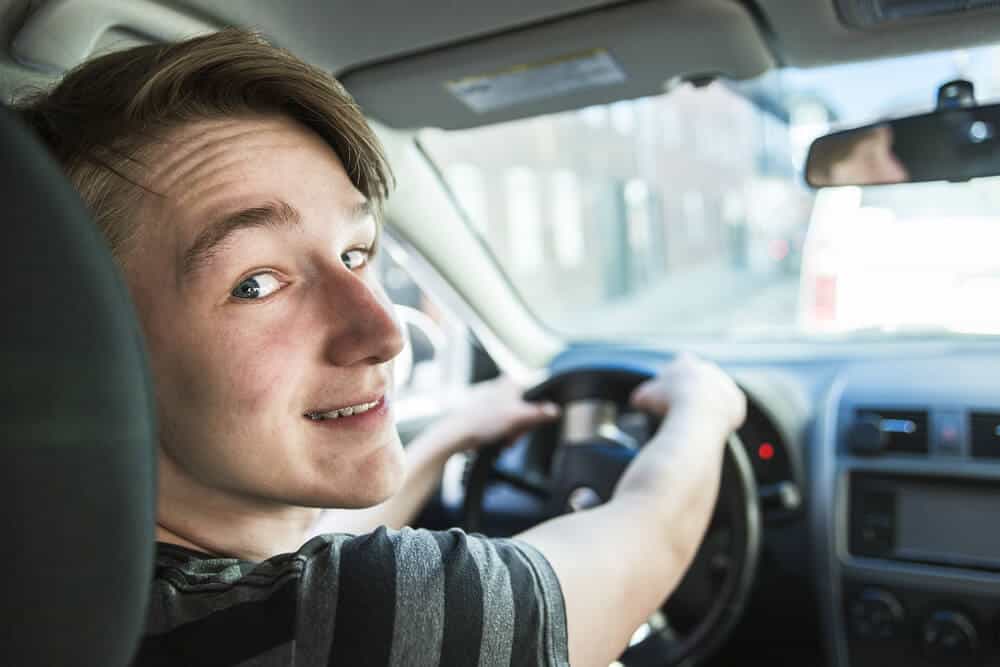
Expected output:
{"points": [[906, 514]]}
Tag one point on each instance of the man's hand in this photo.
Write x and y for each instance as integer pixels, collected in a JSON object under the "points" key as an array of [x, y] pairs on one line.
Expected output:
{"points": [[619, 561], [697, 390], [491, 412]]}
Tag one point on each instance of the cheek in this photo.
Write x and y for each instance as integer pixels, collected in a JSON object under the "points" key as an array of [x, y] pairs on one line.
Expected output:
{"points": [[223, 369], [165, 333], [262, 367]]}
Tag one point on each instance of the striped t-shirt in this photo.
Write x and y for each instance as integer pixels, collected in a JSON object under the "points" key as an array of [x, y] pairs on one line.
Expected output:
{"points": [[401, 598]]}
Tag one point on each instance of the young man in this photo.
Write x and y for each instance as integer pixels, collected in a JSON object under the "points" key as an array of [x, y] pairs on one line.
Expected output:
{"points": [[239, 189]]}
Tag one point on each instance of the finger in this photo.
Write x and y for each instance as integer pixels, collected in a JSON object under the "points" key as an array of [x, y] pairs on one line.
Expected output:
{"points": [[640, 395], [550, 410], [650, 397], [531, 415], [535, 413]]}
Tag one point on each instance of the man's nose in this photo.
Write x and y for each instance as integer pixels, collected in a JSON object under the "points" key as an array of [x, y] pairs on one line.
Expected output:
{"points": [[364, 329]]}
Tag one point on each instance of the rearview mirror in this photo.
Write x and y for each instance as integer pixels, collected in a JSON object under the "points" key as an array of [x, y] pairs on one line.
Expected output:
{"points": [[953, 144]]}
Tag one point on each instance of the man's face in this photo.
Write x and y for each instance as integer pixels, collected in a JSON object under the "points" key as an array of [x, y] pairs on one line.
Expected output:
{"points": [[253, 282], [870, 162]]}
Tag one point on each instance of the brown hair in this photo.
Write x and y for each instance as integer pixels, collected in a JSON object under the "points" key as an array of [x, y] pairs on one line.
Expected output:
{"points": [[101, 120]]}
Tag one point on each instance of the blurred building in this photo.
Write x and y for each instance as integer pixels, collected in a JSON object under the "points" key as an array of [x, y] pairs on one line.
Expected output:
{"points": [[601, 203]]}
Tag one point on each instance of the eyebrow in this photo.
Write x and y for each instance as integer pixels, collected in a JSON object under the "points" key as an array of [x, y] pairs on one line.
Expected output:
{"points": [[277, 214]]}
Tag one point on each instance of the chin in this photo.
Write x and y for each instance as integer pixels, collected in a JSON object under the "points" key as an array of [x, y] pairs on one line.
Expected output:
{"points": [[386, 476], [377, 488], [376, 479]]}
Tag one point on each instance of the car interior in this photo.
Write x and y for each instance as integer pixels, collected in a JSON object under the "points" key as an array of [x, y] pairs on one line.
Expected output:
{"points": [[585, 189]]}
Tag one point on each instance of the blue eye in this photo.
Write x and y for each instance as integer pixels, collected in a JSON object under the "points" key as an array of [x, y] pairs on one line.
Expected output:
{"points": [[257, 286], [355, 259]]}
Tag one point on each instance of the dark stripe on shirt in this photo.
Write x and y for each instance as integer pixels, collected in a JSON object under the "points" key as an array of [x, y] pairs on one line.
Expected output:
{"points": [[527, 622], [228, 636], [463, 601], [366, 602]]}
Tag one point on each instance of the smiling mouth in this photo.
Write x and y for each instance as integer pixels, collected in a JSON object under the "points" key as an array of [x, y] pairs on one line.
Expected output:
{"points": [[348, 411]]}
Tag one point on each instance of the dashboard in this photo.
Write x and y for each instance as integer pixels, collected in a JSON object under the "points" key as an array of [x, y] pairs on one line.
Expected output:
{"points": [[879, 482], [907, 470]]}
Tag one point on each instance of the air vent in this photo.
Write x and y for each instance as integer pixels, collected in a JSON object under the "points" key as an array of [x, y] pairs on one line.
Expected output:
{"points": [[872, 13], [985, 429], [903, 431]]}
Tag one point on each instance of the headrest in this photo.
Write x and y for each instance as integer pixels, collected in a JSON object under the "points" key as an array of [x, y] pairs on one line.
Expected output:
{"points": [[77, 471]]}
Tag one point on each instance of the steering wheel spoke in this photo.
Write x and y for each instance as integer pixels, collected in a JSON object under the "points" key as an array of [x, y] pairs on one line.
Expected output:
{"points": [[532, 484]]}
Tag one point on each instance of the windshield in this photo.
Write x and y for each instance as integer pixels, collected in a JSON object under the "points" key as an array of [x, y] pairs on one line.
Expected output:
{"points": [[686, 214]]}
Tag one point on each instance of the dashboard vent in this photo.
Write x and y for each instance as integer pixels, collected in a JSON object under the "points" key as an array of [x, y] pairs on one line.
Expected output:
{"points": [[872, 13], [904, 431], [985, 429]]}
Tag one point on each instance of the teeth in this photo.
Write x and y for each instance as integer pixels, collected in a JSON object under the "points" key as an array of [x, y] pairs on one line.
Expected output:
{"points": [[342, 412]]}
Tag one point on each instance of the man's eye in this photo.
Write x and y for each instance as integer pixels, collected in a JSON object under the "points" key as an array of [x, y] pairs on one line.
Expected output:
{"points": [[257, 286], [355, 259]]}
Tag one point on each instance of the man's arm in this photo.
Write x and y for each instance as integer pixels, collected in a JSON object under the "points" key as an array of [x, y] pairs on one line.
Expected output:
{"points": [[617, 563], [493, 411]]}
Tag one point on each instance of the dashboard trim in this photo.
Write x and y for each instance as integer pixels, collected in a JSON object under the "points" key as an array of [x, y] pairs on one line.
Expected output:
{"points": [[824, 506]]}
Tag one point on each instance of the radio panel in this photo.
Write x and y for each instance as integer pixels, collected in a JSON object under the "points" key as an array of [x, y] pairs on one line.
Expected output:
{"points": [[934, 521]]}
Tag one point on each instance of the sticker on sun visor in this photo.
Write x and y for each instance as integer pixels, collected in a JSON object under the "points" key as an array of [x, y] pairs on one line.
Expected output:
{"points": [[527, 83]]}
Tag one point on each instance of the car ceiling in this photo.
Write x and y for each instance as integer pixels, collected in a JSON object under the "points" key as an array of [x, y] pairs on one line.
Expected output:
{"points": [[338, 33], [397, 57], [811, 33], [425, 44]]}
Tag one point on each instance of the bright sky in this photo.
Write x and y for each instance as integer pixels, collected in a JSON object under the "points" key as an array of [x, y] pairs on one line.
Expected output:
{"points": [[866, 91]]}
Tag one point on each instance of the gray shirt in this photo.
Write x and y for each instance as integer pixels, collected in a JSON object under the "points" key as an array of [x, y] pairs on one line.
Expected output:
{"points": [[389, 598]]}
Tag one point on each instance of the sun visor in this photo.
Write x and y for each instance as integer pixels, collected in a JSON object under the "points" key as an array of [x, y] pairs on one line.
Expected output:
{"points": [[623, 52]]}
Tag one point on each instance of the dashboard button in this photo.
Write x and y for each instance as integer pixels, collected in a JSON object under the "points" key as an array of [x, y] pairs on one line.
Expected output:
{"points": [[780, 496], [873, 524], [985, 428], [948, 433], [949, 635], [875, 615], [867, 436]]}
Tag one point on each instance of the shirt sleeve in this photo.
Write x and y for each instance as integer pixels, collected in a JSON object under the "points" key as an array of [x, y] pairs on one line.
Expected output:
{"points": [[416, 597]]}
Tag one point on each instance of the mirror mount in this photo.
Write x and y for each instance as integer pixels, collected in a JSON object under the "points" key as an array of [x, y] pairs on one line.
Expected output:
{"points": [[957, 94]]}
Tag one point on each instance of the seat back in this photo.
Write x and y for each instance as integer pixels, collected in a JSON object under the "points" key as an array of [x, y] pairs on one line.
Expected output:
{"points": [[77, 464]]}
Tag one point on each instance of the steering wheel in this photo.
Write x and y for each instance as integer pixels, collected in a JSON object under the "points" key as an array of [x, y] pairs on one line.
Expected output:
{"points": [[575, 464]]}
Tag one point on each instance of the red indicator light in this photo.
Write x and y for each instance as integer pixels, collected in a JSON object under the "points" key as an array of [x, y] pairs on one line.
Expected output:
{"points": [[766, 451]]}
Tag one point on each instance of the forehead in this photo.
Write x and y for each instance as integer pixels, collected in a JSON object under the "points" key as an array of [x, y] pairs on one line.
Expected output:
{"points": [[206, 168]]}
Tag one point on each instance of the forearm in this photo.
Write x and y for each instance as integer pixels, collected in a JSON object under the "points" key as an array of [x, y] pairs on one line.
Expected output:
{"points": [[649, 532], [672, 487], [682, 462], [425, 460]]}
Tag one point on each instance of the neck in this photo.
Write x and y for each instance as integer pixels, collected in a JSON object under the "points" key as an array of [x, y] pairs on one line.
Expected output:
{"points": [[193, 515]]}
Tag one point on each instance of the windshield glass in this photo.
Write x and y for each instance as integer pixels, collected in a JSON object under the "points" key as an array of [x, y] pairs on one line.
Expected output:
{"points": [[686, 214]]}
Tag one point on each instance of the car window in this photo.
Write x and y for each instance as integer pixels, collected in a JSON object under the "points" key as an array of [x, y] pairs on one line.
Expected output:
{"points": [[435, 363], [686, 213]]}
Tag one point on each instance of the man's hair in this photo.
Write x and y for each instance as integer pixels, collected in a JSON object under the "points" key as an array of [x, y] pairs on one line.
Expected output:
{"points": [[103, 119]]}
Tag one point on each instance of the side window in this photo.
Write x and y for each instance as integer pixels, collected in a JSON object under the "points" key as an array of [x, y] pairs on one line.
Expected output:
{"points": [[436, 360]]}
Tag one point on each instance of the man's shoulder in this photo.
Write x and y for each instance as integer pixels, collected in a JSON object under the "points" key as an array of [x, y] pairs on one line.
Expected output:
{"points": [[399, 554], [439, 596], [182, 570]]}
